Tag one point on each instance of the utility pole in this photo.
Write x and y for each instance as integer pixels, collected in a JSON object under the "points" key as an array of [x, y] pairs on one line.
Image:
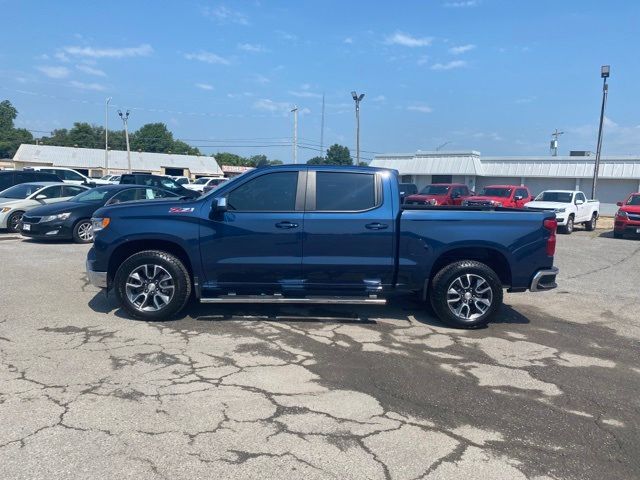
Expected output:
{"points": [[125, 120], [322, 130], [295, 133], [357, 98], [604, 74], [554, 142], [106, 135]]}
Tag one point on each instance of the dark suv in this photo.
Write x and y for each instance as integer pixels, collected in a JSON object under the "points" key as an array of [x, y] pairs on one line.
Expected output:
{"points": [[9, 178], [158, 181]]}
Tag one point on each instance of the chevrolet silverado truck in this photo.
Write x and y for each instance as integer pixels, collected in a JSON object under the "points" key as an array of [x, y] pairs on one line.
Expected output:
{"points": [[510, 196], [570, 206], [313, 234]]}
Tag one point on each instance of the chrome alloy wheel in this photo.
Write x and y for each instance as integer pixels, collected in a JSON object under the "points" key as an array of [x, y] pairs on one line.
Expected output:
{"points": [[150, 288], [85, 231], [469, 296]]}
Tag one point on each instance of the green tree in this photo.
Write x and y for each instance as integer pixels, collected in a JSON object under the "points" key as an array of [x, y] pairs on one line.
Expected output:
{"points": [[338, 155], [11, 137]]}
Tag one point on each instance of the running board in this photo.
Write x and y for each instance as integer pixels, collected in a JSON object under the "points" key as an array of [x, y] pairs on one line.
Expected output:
{"points": [[302, 300]]}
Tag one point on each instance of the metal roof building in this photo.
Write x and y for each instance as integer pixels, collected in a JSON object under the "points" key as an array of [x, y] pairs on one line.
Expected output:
{"points": [[618, 175], [91, 161]]}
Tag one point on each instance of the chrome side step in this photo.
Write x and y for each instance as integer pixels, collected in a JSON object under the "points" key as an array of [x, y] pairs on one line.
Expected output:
{"points": [[301, 300]]}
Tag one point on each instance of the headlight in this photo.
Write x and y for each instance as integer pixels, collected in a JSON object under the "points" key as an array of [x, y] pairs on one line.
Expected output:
{"points": [[5, 209], [622, 214], [560, 210], [100, 223], [60, 216]]}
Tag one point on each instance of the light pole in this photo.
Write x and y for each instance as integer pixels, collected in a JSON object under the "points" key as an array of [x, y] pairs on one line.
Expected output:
{"points": [[357, 98], [125, 120], [604, 74], [295, 133], [106, 135]]}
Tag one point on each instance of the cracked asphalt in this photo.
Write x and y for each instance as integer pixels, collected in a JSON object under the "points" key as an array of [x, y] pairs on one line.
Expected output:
{"points": [[550, 390]]}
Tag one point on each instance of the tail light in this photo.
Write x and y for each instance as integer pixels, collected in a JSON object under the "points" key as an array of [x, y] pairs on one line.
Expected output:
{"points": [[551, 224]]}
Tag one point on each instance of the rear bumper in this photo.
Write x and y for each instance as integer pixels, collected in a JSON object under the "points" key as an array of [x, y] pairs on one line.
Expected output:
{"points": [[544, 280]]}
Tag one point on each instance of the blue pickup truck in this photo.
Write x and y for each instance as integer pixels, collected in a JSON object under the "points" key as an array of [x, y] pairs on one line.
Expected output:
{"points": [[318, 234]]}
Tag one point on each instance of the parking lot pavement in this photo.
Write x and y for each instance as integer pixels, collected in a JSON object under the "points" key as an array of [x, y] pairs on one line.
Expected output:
{"points": [[550, 390]]}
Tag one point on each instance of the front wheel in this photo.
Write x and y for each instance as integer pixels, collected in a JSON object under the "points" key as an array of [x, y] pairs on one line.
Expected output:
{"points": [[590, 226], [466, 294], [152, 285]]}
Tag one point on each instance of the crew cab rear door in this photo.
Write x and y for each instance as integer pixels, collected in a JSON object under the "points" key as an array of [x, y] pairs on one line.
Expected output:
{"points": [[256, 245], [349, 232]]}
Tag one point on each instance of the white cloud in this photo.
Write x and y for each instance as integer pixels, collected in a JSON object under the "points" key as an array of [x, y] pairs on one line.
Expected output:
{"points": [[251, 47], [348, 40], [462, 4], [204, 86], [207, 57], [91, 52], [407, 40], [91, 70], [88, 86], [461, 49], [420, 108], [55, 72], [223, 14], [449, 65]]}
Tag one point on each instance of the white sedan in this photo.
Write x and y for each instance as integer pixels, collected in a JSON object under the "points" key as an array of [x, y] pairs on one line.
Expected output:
{"points": [[16, 200]]}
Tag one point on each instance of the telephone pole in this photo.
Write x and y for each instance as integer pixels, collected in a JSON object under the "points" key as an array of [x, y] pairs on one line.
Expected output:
{"points": [[125, 120], [295, 133], [106, 135]]}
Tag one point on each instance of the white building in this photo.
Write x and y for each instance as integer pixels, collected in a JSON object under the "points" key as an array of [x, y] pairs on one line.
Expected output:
{"points": [[618, 175], [91, 161]]}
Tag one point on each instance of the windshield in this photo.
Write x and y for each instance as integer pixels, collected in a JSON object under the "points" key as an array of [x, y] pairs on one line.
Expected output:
{"points": [[20, 191], [93, 195], [201, 181], [435, 190], [560, 197], [634, 200], [496, 192]]}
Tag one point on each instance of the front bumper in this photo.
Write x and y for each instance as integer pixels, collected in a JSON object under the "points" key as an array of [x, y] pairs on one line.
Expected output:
{"points": [[97, 279], [544, 280]]}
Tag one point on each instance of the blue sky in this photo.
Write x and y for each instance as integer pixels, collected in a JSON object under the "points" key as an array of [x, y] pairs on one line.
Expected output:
{"points": [[496, 76]]}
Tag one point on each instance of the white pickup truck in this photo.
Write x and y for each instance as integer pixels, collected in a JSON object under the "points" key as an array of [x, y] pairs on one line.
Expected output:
{"points": [[570, 206]]}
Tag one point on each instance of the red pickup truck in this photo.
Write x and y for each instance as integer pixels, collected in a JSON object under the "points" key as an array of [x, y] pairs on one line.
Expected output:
{"points": [[510, 196], [628, 216], [440, 194]]}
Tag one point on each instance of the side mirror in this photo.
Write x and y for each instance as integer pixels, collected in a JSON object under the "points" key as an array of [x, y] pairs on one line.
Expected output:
{"points": [[42, 196], [619, 204]]}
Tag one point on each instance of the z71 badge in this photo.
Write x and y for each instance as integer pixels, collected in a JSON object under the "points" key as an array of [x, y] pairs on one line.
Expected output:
{"points": [[181, 210]]}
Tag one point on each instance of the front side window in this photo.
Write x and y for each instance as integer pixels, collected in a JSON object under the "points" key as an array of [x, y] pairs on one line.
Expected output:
{"points": [[345, 191], [273, 192]]}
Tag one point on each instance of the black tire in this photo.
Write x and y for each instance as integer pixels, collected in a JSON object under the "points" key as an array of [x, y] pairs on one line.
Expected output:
{"points": [[83, 231], [448, 277], [618, 235], [568, 228], [166, 262], [14, 220], [591, 225]]}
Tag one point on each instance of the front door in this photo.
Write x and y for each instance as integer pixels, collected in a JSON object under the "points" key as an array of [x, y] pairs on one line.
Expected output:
{"points": [[256, 245], [348, 232]]}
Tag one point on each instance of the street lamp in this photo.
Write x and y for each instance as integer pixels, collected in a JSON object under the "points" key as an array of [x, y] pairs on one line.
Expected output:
{"points": [[605, 70], [357, 98], [106, 135], [125, 120]]}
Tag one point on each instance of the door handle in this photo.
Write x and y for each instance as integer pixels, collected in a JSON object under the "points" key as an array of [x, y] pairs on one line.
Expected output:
{"points": [[376, 226], [286, 225]]}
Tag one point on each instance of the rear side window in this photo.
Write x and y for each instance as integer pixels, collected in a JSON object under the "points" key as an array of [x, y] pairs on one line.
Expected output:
{"points": [[272, 192], [345, 192]]}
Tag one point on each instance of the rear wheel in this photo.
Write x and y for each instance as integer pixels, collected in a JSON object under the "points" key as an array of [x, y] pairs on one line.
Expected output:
{"points": [[83, 231], [152, 285], [590, 226], [14, 220], [466, 294]]}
